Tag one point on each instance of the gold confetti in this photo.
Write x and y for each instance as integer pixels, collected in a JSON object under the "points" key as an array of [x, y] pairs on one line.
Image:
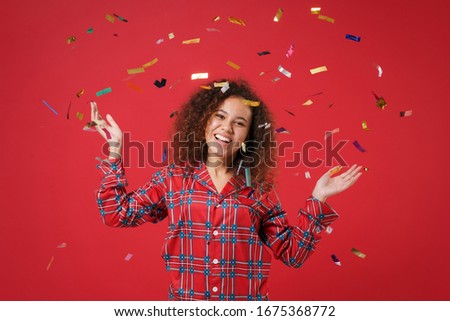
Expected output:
{"points": [[318, 69], [358, 253], [364, 125], [233, 65], [191, 41], [220, 84], [134, 86], [278, 15], [80, 93], [315, 10], [110, 18], [366, 169], [251, 103], [381, 103], [50, 263], [150, 63], [217, 18], [236, 21], [135, 71], [71, 39], [79, 116], [321, 17], [206, 87], [309, 102], [335, 170], [171, 36], [202, 75], [244, 147]]}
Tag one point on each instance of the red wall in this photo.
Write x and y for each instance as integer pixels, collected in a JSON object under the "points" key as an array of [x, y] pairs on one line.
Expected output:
{"points": [[396, 213]]}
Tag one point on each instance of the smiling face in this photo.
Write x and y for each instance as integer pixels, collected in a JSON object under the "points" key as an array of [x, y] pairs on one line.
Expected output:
{"points": [[227, 128]]}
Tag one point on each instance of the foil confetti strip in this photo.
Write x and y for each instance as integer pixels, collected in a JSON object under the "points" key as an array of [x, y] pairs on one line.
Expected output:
{"points": [[315, 10], [334, 131], [328, 19], [309, 102], [284, 71], [135, 71], [79, 116], [160, 83], [150, 63], [176, 82], [289, 112], [276, 79], [364, 125], [248, 177], [263, 53], [290, 51], [128, 257], [103, 92], [278, 15], [80, 93], [50, 263], [173, 114], [307, 175], [236, 21], [335, 170], [380, 71], [62, 245], [202, 75], [50, 107], [358, 253], [110, 18], [171, 35], [71, 39], [212, 30], [159, 41], [381, 103], [318, 69], [233, 65], [335, 260], [68, 110], [358, 146], [265, 125], [352, 37], [239, 167], [164, 156], [134, 86], [206, 87], [406, 113], [120, 18], [282, 130], [251, 103], [191, 41], [90, 30], [217, 18]]}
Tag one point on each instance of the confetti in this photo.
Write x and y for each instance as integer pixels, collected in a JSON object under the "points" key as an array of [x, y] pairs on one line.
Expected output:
{"points": [[80, 93], [334, 131], [321, 17], [406, 113], [366, 169], [191, 41], [217, 18], [364, 125], [108, 135], [50, 107], [62, 245], [176, 82], [239, 167], [278, 15], [128, 257], [233, 65], [380, 71], [203, 75], [289, 112], [68, 110], [71, 39], [164, 156], [290, 51], [171, 35], [90, 30], [263, 53], [358, 146], [352, 37], [318, 69], [225, 85], [335, 260], [161, 83], [380, 101], [251, 193], [248, 177], [330, 105], [173, 114], [159, 41], [284, 71], [265, 125], [212, 30], [276, 79], [316, 94], [244, 147], [79, 116], [103, 91], [307, 175], [358, 253], [120, 18], [134, 86], [135, 71], [206, 87], [50, 263], [315, 10], [236, 21], [282, 130], [110, 18], [309, 102], [251, 103], [335, 170]]}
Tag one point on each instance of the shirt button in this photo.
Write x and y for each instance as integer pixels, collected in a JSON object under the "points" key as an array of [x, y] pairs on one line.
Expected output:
{"points": [[215, 289], [215, 261], [215, 232]]}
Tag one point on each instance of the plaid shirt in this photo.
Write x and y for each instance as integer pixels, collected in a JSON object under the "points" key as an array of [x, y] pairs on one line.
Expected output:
{"points": [[218, 245]]}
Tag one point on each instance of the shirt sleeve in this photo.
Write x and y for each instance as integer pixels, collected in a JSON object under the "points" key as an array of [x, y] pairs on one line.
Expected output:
{"points": [[294, 244], [121, 209]]}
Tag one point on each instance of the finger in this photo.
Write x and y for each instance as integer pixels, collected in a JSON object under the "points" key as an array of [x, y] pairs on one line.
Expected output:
{"points": [[93, 107], [111, 120], [348, 171], [355, 171]]}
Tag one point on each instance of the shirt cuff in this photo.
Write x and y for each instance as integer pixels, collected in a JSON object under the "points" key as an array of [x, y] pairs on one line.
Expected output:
{"points": [[322, 214], [114, 173]]}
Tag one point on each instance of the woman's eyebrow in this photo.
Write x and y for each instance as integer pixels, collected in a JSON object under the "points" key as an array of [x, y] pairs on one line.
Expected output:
{"points": [[238, 117]]}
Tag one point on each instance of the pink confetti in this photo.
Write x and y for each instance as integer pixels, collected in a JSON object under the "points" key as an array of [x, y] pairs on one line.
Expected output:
{"points": [[128, 257], [290, 51], [62, 246]]}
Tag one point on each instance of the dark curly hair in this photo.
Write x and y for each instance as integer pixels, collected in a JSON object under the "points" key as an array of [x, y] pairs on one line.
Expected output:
{"points": [[188, 143]]}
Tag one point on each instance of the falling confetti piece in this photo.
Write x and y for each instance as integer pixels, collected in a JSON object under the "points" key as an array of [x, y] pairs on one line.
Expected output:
{"points": [[380, 71], [134, 86], [215, 19], [352, 37], [68, 110], [164, 156], [191, 41], [358, 146], [366, 169], [173, 114], [80, 93], [330, 105], [161, 83], [316, 94], [236, 21], [212, 30], [364, 125], [290, 51], [265, 125], [103, 91], [159, 41], [176, 82], [150, 63], [406, 113], [244, 147], [335, 260], [135, 71], [278, 15], [321, 17], [307, 175], [206, 87], [50, 263], [171, 35], [50, 107], [263, 53], [108, 135], [128, 257], [335, 170], [233, 65], [309, 102], [239, 167], [282, 130], [276, 79], [329, 230], [79, 116], [202, 75], [62, 245], [251, 103], [220, 84], [71, 39], [251, 193], [358, 253], [334, 131], [318, 69], [90, 30], [315, 10], [289, 112], [380, 101], [248, 177], [284, 71], [110, 18], [120, 18]]}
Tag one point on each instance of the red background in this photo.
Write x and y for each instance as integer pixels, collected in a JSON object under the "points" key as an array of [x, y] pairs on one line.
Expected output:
{"points": [[396, 213]]}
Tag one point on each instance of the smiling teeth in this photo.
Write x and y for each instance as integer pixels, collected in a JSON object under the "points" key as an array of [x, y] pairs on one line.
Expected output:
{"points": [[222, 138]]}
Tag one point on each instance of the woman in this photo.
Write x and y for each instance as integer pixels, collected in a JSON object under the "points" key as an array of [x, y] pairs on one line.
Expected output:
{"points": [[217, 194]]}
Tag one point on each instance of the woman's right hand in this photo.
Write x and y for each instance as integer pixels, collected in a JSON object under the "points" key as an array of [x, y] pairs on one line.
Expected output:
{"points": [[109, 130]]}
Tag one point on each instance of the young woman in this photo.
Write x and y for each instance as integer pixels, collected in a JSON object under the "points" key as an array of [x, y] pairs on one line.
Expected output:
{"points": [[225, 219]]}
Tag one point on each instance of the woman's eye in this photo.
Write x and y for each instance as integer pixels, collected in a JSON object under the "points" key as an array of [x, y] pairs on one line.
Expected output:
{"points": [[220, 116], [240, 124]]}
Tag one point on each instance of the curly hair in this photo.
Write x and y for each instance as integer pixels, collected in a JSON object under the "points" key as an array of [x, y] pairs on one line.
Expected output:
{"points": [[189, 131]]}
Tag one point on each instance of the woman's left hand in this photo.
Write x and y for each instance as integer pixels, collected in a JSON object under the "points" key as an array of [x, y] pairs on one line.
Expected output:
{"points": [[328, 186]]}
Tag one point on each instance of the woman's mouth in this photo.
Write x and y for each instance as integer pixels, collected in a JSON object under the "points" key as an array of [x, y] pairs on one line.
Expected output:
{"points": [[222, 139]]}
